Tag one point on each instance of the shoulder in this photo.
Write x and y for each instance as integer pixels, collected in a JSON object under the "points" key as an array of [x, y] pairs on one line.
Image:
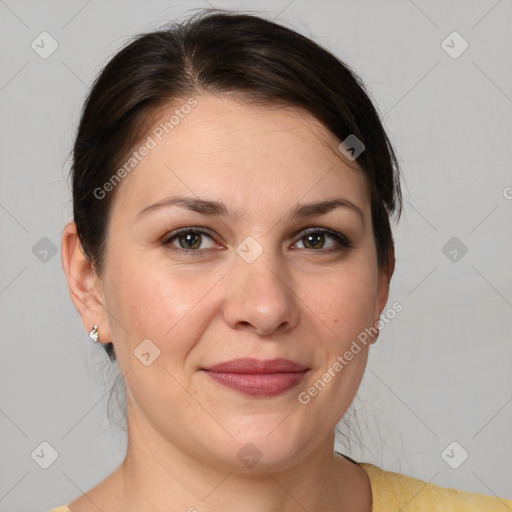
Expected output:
{"points": [[394, 491]]}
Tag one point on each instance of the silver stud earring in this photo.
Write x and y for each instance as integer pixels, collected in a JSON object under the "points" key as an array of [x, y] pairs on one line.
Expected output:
{"points": [[94, 334]]}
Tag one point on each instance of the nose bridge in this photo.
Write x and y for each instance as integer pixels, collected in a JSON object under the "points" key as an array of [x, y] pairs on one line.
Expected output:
{"points": [[261, 295], [261, 268]]}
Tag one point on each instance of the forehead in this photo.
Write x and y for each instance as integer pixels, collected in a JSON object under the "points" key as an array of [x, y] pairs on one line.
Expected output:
{"points": [[231, 149]]}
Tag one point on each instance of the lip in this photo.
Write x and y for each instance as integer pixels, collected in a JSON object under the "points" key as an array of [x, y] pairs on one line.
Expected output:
{"points": [[256, 377]]}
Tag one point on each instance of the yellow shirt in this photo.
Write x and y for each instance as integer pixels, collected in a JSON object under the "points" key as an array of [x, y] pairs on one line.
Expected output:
{"points": [[393, 492]]}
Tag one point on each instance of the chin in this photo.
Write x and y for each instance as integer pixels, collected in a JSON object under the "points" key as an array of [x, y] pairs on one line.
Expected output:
{"points": [[260, 449]]}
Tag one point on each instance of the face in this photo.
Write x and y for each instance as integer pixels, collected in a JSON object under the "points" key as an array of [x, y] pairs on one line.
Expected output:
{"points": [[223, 328]]}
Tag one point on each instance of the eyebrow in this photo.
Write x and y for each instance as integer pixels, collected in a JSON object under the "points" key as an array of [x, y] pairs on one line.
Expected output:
{"points": [[219, 209]]}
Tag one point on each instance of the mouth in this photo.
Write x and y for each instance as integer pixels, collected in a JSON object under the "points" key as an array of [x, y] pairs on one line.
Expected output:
{"points": [[259, 378]]}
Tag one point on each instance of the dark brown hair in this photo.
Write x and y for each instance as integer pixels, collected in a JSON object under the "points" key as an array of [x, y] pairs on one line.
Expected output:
{"points": [[219, 52]]}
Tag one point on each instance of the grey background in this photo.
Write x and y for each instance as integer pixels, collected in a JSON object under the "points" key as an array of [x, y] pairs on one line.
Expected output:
{"points": [[440, 371]]}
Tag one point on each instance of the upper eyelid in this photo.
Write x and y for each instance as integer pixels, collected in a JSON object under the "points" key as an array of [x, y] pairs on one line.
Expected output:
{"points": [[180, 231]]}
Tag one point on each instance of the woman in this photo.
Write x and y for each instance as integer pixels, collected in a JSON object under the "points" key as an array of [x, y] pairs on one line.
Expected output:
{"points": [[231, 249]]}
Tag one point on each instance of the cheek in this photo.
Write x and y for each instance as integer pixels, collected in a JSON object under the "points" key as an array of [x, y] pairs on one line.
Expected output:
{"points": [[347, 305], [149, 301], [344, 304]]}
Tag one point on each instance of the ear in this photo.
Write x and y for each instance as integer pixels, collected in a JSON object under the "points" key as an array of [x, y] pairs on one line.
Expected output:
{"points": [[84, 285], [385, 273]]}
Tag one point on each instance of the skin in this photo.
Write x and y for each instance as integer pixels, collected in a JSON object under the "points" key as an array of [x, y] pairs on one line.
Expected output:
{"points": [[296, 300]]}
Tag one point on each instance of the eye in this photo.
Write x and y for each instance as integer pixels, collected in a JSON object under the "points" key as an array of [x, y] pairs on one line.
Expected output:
{"points": [[315, 238], [189, 240]]}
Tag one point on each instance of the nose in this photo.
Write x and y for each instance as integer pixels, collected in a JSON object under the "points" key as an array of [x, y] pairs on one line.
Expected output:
{"points": [[259, 296]]}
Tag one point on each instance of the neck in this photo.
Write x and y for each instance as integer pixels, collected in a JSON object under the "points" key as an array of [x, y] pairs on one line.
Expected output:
{"points": [[156, 476]]}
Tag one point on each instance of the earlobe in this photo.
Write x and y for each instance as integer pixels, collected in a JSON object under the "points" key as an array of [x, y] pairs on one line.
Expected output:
{"points": [[83, 283]]}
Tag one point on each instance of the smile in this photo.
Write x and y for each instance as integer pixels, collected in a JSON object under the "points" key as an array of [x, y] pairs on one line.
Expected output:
{"points": [[257, 377]]}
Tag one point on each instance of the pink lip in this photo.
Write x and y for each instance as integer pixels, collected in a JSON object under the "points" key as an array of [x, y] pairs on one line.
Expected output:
{"points": [[258, 377]]}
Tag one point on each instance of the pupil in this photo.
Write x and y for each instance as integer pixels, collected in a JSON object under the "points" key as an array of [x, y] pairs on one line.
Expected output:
{"points": [[189, 238], [313, 237]]}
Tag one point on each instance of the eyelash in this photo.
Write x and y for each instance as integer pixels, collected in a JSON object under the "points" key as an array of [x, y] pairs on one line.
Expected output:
{"points": [[342, 240]]}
